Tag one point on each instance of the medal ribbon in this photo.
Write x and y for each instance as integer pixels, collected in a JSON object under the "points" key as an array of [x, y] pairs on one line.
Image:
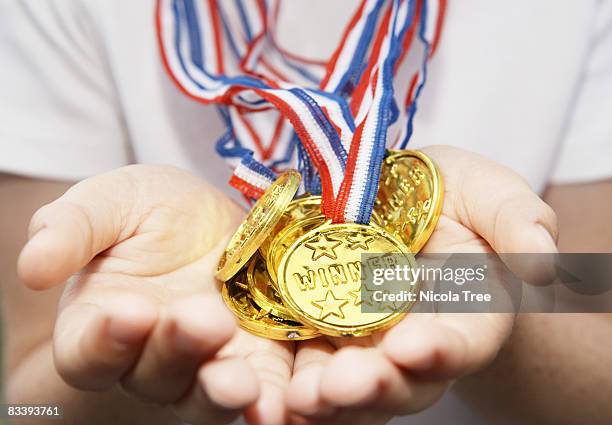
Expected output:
{"points": [[329, 122]]}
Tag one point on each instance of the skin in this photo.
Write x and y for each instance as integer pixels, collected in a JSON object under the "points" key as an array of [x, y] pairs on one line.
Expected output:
{"points": [[140, 318], [143, 320]]}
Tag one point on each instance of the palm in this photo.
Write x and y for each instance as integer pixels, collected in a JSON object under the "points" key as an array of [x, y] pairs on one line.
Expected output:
{"points": [[167, 239]]}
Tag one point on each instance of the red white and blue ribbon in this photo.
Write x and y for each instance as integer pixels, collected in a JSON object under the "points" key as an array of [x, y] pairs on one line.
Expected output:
{"points": [[329, 120]]}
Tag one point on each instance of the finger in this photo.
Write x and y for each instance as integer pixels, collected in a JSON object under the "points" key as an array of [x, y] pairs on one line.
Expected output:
{"points": [[359, 378], [67, 233], [94, 345], [272, 362], [359, 371], [446, 346], [223, 389], [499, 205], [363, 416], [190, 332], [304, 392]]}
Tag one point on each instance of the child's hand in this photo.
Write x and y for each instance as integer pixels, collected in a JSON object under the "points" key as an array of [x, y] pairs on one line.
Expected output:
{"points": [[487, 207], [142, 308]]}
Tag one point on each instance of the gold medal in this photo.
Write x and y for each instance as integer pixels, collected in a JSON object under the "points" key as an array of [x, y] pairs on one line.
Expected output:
{"points": [[311, 277], [262, 291], [410, 196], [258, 321], [320, 278], [258, 224]]}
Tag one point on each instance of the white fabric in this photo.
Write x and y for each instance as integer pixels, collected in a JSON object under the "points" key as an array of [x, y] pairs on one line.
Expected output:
{"points": [[82, 89], [587, 149], [526, 83]]}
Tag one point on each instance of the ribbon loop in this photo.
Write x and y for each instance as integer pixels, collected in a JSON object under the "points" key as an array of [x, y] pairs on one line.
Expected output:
{"points": [[330, 120]]}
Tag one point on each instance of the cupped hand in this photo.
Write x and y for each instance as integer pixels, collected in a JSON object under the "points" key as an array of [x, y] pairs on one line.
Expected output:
{"points": [[138, 247], [487, 208]]}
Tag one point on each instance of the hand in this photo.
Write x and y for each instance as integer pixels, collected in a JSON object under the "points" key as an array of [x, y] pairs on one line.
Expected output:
{"points": [[141, 308], [487, 207]]}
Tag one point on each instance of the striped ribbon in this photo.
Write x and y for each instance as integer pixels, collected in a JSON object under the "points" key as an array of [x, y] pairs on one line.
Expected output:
{"points": [[330, 120]]}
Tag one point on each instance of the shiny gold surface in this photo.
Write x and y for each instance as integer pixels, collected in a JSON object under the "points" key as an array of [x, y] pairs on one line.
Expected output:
{"points": [[410, 197], [306, 279], [305, 206], [258, 224], [283, 240], [258, 321], [262, 291], [307, 211], [319, 278]]}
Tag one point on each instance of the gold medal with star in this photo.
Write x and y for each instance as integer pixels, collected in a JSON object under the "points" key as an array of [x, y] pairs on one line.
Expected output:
{"points": [[311, 277], [320, 278]]}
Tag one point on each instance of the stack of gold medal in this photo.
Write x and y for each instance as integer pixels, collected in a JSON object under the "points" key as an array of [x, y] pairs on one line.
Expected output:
{"points": [[289, 274]]}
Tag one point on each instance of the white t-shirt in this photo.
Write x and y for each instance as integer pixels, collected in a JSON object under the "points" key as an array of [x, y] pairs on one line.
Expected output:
{"points": [[526, 83]]}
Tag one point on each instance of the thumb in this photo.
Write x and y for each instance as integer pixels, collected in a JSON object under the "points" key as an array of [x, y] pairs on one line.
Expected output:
{"points": [[67, 233], [500, 206]]}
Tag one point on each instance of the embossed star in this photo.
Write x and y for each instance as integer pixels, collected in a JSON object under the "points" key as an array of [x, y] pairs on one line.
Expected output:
{"points": [[330, 306], [361, 295], [323, 246], [359, 240]]}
